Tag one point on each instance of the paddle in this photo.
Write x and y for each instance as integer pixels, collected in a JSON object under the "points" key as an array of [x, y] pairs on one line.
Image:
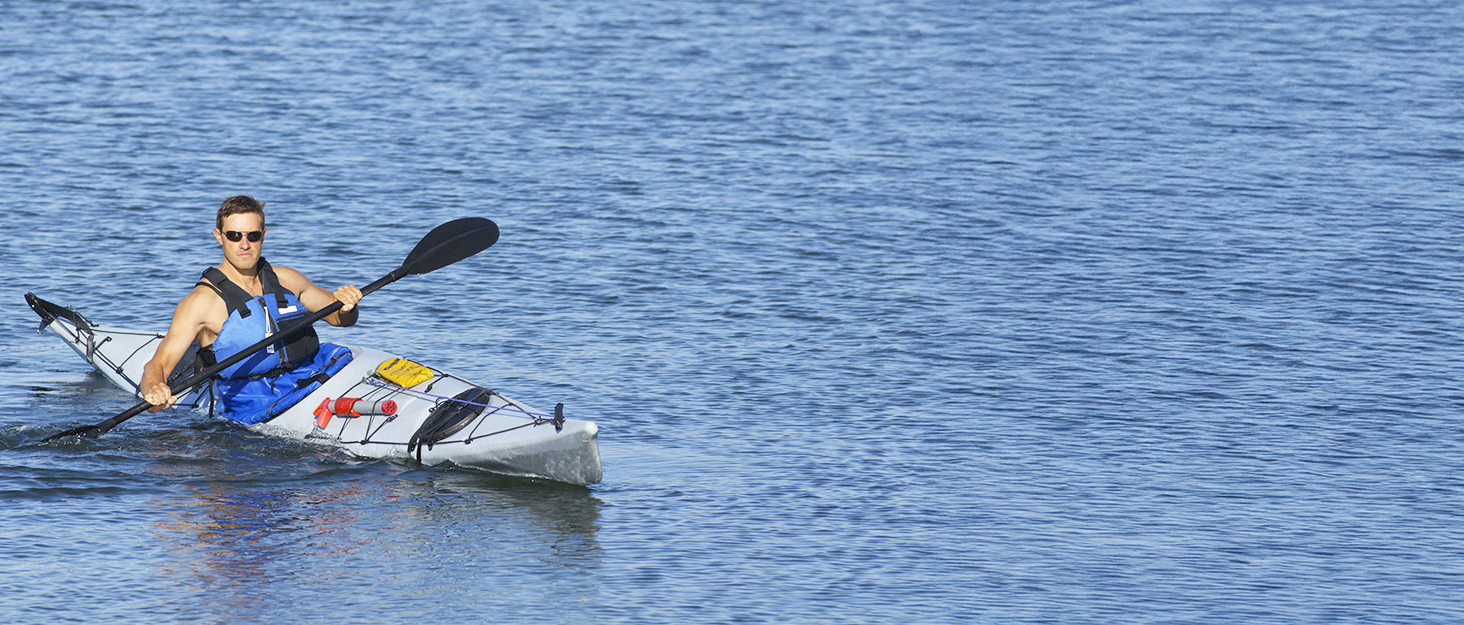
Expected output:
{"points": [[445, 245]]}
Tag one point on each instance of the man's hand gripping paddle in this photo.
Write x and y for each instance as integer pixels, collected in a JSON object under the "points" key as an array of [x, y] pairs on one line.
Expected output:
{"points": [[445, 245]]}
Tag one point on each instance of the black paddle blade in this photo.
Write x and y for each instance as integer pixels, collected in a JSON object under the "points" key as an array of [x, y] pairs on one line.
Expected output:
{"points": [[96, 431], [450, 243], [85, 431]]}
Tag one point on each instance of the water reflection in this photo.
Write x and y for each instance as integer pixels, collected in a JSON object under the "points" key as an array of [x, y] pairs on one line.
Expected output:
{"points": [[552, 507], [396, 537]]}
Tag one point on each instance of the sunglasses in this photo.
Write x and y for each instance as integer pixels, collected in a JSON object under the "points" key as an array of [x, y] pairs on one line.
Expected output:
{"points": [[235, 235]]}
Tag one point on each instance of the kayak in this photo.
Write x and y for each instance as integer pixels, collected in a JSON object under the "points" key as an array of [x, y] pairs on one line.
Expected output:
{"points": [[377, 406]]}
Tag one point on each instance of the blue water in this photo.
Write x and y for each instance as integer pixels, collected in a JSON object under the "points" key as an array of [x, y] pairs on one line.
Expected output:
{"points": [[935, 312]]}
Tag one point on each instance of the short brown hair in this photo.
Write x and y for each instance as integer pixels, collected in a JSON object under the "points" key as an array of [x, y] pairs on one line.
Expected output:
{"points": [[240, 204]]}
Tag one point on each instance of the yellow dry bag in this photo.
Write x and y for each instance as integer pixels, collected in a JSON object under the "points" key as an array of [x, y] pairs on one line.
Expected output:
{"points": [[403, 372]]}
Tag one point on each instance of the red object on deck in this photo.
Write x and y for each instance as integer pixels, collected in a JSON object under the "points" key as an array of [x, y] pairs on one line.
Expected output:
{"points": [[355, 407], [351, 407]]}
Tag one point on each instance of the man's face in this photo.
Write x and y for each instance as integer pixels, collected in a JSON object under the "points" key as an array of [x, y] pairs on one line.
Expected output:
{"points": [[242, 254]]}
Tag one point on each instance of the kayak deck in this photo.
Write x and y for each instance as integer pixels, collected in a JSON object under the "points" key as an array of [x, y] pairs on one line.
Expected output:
{"points": [[506, 437]]}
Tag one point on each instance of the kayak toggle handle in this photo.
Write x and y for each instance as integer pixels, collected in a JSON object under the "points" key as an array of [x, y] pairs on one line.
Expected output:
{"points": [[558, 419]]}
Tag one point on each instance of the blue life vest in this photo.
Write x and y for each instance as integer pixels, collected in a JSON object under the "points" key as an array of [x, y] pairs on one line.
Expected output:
{"points": [[271, 380]]}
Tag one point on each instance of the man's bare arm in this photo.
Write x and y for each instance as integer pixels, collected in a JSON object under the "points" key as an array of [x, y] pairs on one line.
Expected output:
{"points": [[315, 298], [189, 322]]}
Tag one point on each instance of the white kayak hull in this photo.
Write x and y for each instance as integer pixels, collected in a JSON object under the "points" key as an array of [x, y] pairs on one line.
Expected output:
{"points": [[505, 437]]}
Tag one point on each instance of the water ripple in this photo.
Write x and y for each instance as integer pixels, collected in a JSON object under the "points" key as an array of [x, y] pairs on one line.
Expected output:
{"points": [[888, 312]]}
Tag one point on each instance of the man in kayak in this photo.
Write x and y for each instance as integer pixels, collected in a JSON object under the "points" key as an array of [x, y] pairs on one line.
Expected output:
{"points": [[239, 303]]}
